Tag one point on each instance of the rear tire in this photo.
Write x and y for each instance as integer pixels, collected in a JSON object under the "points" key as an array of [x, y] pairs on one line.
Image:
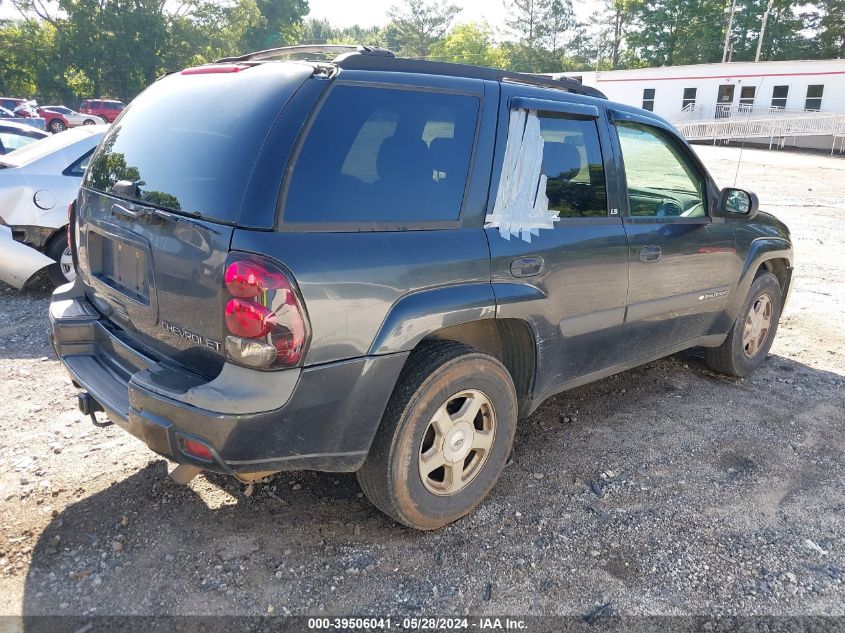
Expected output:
{"points": [[88, 122], [63, 270], [753, 332], [452, 406]]}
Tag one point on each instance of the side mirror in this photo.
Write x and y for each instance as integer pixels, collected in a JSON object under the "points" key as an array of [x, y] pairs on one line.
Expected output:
{"points": [[738, 202]]}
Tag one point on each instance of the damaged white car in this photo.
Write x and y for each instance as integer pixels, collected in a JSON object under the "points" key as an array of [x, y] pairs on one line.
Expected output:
{"points": [[37, 183]]}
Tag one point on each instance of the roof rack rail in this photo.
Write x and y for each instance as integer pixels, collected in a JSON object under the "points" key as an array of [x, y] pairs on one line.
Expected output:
{"points": [[310, 49], [401, 64], [357, 57]]}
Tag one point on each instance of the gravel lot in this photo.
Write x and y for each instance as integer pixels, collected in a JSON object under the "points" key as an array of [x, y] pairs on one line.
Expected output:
{"points": [[663, 490]]}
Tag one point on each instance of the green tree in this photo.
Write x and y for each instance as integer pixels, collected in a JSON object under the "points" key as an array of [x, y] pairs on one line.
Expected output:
{"points": [[28, 68], [280, 24], [673, 32], [558, 25], [526, 20], [469, 44], [544, 30], [782, 39], [208, 32], [831, 27], [419, 24], [608, 27]]}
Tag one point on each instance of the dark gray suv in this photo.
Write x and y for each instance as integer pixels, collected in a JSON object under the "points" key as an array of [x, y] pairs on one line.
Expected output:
{"points": [[379, 265]]}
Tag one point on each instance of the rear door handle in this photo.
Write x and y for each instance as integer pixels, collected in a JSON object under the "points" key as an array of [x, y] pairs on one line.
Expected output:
{"points": [[123, 212], [142, 215], [650, 254]]}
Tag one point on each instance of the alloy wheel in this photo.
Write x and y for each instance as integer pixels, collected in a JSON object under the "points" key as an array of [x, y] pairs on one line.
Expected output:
{"points": [[757, 325], [457, 442]]}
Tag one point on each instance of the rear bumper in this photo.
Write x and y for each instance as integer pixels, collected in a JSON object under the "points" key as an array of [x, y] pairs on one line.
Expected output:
{"points": [[18, 262], [327, 421]]}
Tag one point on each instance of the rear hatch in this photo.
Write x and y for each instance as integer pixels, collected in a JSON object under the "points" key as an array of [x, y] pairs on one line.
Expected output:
{"points": [[162, 195]]}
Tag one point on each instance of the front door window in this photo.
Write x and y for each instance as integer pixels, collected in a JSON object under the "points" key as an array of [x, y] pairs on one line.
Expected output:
{"points": [[662, 182]]}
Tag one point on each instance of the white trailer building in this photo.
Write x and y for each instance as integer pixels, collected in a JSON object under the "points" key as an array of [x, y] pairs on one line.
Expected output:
{"points": [[777, 101]]}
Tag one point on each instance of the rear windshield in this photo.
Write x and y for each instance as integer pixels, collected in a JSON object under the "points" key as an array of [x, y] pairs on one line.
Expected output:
{"points": [[187, 145]]}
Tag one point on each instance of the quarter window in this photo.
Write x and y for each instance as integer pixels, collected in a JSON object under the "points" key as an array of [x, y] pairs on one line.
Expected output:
{"points": [[384, 156], [689, 98], [779, 95], [662, 181], [78, 167], [572, 164], [648, 99], [814, 98]]}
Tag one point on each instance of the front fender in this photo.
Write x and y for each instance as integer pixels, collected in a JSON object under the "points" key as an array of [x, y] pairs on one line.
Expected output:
{"points": [[415, 316], [760, 250]]}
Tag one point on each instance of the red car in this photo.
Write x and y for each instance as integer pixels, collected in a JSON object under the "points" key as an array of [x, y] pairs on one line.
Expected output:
{"points": [[56, 121], [107, 109]]}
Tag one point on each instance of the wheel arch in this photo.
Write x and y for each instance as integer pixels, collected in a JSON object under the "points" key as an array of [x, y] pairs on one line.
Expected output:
{"points": [[510, 341], [781, 268], [768, 254], [464, 313]]}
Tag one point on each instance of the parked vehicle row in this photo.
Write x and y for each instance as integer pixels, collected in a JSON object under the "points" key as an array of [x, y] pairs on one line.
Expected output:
{"points": [[59, 118], [7, 116], [37, 183], [39, 176], [107, 109]]}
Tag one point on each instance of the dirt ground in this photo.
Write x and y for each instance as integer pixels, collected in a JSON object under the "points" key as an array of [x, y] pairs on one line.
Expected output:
{"points": [[717, 496]]}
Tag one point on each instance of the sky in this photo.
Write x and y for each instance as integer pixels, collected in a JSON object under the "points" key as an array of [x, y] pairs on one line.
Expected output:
{"points": [[345, 13]]}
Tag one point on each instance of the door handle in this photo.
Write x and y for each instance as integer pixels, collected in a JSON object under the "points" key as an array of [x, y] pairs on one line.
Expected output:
{"points": [[650, 254], [127, 214], [142, 215]]}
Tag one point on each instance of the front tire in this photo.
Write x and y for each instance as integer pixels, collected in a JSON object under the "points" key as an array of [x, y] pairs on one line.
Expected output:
{"points": [[57, 126], [445, 436], [753, 332]]}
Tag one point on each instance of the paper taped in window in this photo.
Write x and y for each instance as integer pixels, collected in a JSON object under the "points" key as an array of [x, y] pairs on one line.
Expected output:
{"points": [[522, 207]]}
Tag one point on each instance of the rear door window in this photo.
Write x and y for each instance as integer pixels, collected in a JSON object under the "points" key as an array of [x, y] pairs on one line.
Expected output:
{"points": [[384, 156], [572, 163]]}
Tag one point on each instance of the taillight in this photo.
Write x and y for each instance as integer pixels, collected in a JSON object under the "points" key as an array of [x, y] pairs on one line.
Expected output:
{"points": [[267, 324], [248, 279], [248, 318]]}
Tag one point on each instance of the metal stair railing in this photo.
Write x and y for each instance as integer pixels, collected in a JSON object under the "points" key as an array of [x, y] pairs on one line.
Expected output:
{"points": [[702, 124]]}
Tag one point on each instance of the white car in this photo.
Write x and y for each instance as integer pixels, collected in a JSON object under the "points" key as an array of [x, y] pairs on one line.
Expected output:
{"points": [[74, 118], [37, 184]]}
